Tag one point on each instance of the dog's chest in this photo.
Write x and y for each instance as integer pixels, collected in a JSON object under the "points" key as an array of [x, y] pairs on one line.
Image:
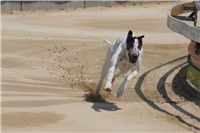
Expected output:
{"points": [[124, 65]]}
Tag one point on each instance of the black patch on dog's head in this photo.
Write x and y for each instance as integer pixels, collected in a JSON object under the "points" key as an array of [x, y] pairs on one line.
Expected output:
{"points": [[130, 33], [130, 40]]}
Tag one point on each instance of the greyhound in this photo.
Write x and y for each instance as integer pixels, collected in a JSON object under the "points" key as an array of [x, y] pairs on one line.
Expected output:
{"points": [[124, 57]]}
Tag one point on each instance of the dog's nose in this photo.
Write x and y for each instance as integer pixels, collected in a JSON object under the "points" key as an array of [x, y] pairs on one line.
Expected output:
{"points": [[134, 54]]}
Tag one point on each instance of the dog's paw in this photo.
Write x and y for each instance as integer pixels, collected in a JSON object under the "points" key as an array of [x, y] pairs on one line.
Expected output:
{"points": [[120, 92], [108, 90]]}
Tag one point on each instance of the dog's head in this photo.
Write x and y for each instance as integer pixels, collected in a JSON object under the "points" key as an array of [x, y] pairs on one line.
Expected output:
{"points": [[134, 45]]}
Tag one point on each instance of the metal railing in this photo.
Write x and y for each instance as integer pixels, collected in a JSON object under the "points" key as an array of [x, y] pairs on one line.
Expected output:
{"points": [[178, 24]]}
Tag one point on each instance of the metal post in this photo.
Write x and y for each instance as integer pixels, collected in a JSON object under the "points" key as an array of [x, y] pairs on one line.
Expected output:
{"points": [[195, 16], [20, 6], [84, 4]]}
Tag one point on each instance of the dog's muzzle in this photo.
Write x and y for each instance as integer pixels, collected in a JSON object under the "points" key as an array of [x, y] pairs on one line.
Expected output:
{"points": [[132, 58]]}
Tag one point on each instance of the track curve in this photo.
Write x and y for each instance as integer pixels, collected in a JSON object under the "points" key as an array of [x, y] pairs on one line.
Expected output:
{"points": [[166, 101]]}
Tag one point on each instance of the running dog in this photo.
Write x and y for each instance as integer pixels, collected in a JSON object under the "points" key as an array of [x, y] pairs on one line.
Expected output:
{"points": [[124, 57]]}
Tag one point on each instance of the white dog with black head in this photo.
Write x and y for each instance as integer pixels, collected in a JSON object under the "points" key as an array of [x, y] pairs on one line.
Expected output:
{"points": [[124, 57]]}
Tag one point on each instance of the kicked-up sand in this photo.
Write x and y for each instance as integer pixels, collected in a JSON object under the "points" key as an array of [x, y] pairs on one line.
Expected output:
{"points": [[51, 59]]}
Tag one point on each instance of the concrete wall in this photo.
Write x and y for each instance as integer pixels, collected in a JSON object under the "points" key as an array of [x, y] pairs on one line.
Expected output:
{"points": [[9, 6]]}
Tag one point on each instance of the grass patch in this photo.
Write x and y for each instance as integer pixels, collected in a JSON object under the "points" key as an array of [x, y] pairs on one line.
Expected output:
{"points": [[194, 76]]}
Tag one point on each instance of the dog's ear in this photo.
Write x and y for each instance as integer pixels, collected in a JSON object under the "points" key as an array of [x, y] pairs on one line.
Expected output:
{"points": [[130, 42], [140, 41], [130, 33], [140, 37]]}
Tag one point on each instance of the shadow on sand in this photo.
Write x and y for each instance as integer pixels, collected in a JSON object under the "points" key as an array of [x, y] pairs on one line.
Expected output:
{"points": [[106, 106], [99, 103], [183, 89], [161, 89]]}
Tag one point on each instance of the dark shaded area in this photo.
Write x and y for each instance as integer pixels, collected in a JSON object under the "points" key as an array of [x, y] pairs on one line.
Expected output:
{"points": [[150, 102], [99, 102], [182, 89], [106, 106], [198, 48], [162, 90]]}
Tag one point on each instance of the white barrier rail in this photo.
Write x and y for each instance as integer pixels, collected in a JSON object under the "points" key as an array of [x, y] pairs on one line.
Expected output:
{"points": [[178, 25]]}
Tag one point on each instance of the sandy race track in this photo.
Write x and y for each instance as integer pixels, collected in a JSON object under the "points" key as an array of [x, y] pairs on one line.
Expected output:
{"points": [[49, 60]]}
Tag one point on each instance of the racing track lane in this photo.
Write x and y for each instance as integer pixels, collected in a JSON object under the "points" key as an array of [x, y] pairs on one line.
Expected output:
{"points": [[150, 102]]}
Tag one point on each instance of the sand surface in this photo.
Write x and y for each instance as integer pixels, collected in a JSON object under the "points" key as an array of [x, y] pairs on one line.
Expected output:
{"points": [[49, 60]]}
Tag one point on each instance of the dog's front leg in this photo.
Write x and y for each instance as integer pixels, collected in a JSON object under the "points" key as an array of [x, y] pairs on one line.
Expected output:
{"points": [[104, 70], [130, 75], [109, 79], [124, 83], [111, 70]]}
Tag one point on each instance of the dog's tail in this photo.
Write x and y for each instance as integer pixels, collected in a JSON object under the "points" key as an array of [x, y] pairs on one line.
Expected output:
{"points": [[108, 42]]}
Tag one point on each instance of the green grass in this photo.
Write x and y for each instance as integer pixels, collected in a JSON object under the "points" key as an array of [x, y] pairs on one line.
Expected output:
{"points": [[194, 76]]}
